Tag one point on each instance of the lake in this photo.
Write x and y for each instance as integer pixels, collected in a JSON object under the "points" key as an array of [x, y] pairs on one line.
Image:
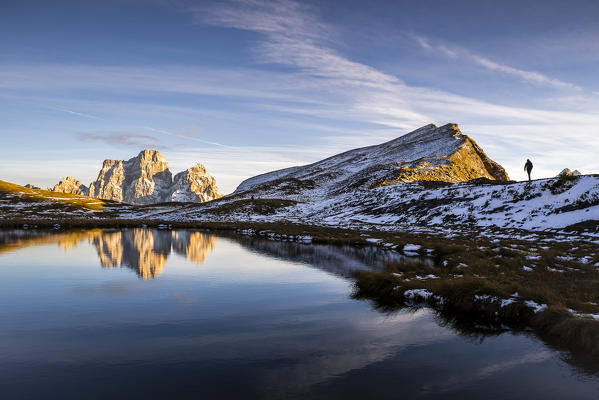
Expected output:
{"points": [[164, 314]]}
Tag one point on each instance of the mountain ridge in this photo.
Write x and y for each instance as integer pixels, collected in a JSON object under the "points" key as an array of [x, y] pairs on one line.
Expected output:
{"points": [[145, 179], [429, 153], [432, 179]]}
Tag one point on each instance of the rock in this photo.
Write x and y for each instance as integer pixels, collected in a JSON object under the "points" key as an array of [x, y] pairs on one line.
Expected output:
{"points": [[194, 185], [568, 172], [431, 153], [72, 186], [109, 184], [30, 186], [146, 179]]}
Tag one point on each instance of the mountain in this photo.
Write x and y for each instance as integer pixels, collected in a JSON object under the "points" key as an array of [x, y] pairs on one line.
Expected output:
{"points": [[145, 179], [430, 180], [431, 153], [194, 185], [70, 185]]}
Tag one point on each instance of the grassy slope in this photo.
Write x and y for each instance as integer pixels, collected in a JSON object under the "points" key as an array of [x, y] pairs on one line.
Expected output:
{"points": [[76, 200]]}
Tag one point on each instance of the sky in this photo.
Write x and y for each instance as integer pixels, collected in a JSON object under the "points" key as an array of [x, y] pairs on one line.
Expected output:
{"points": [[249, 86]]}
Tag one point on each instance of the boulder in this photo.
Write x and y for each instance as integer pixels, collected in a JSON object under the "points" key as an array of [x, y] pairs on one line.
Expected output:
{"points": [[568, 172]]}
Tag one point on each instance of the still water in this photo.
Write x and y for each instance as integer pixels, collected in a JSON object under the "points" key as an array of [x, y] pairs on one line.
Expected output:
{"points": [[175, 314]]}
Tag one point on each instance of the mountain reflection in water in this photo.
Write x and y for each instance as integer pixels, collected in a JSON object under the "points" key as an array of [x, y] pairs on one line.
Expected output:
{"points": [[143, 250], [261, 319], [146, 251]]}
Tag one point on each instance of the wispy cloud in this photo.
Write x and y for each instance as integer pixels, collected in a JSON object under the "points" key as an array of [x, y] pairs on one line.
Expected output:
{"points": [[465, 379], [80, 114], [332, 100], [529, 76], [130, 139], [185, 135]]}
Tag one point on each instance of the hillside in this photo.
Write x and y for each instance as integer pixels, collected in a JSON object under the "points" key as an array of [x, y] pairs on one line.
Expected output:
{"points": [[432, 179], [430, 153]]}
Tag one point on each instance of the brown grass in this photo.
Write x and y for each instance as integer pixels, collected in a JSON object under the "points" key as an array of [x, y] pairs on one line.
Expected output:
{"points": [[467, 268], [75, 200]]}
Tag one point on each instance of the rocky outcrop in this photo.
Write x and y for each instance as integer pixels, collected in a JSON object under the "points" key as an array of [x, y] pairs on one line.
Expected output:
{"points": [[30, 186], [72, 186], [195, 185], [109, 184], [431, 153], [146, 179], [568, 172]]}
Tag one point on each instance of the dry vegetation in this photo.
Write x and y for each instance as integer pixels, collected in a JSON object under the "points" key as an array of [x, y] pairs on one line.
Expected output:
{"points": [[23, 194], [499, 283]]}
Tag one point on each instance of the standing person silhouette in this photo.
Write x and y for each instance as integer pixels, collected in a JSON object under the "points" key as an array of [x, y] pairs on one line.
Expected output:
{"points": [[528, 167]]}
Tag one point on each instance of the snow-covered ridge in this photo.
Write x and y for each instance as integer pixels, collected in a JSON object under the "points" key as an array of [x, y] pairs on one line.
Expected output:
{"points": [[428, 153]]}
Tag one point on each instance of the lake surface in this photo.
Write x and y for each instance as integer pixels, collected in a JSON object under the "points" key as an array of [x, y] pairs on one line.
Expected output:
{"points": [[166, 314]]}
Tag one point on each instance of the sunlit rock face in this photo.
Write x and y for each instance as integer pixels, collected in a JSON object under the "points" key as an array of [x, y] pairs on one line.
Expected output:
{"points": [[109, 184], [146, 179], [72, 186], [429, 153], [194, 185], [195, 246]]}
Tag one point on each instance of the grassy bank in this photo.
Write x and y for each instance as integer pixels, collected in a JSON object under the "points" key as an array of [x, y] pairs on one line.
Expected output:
{"points": [[549, 288]]}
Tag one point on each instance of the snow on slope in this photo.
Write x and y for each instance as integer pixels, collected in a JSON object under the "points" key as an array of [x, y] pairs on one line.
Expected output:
{"points": [[420, 152], [403, 184], [545, 204]]}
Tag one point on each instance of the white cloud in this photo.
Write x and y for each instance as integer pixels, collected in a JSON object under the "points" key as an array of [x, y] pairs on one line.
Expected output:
{"points": [[321, 92], [533, 77]]}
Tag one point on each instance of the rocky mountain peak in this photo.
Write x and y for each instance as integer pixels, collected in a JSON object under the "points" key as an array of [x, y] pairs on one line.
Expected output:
{"points": [[70, 185], [145, 179], [194, 184], [429, 153]]}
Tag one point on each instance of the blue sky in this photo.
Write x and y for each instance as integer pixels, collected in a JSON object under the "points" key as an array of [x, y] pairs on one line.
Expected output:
{"points": [[249, 86]]}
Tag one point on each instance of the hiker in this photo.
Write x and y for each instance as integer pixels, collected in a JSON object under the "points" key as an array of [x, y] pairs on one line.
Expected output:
{"points": [[528, 167]]}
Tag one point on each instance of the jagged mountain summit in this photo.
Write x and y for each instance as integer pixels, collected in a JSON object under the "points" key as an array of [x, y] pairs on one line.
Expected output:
{"points": [[145, 179], [70, 185], [194, 184], [429, 153]]}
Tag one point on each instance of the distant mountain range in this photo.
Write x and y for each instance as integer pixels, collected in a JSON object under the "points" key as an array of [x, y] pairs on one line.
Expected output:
{"points": [[434, 178], [145, 179]]}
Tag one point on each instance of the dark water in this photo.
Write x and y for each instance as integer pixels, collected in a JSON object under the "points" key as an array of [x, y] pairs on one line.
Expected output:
{"points": [[161, 314]]}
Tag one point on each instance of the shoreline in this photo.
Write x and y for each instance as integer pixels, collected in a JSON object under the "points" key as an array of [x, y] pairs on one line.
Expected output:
{"points": [[536, 283]]}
